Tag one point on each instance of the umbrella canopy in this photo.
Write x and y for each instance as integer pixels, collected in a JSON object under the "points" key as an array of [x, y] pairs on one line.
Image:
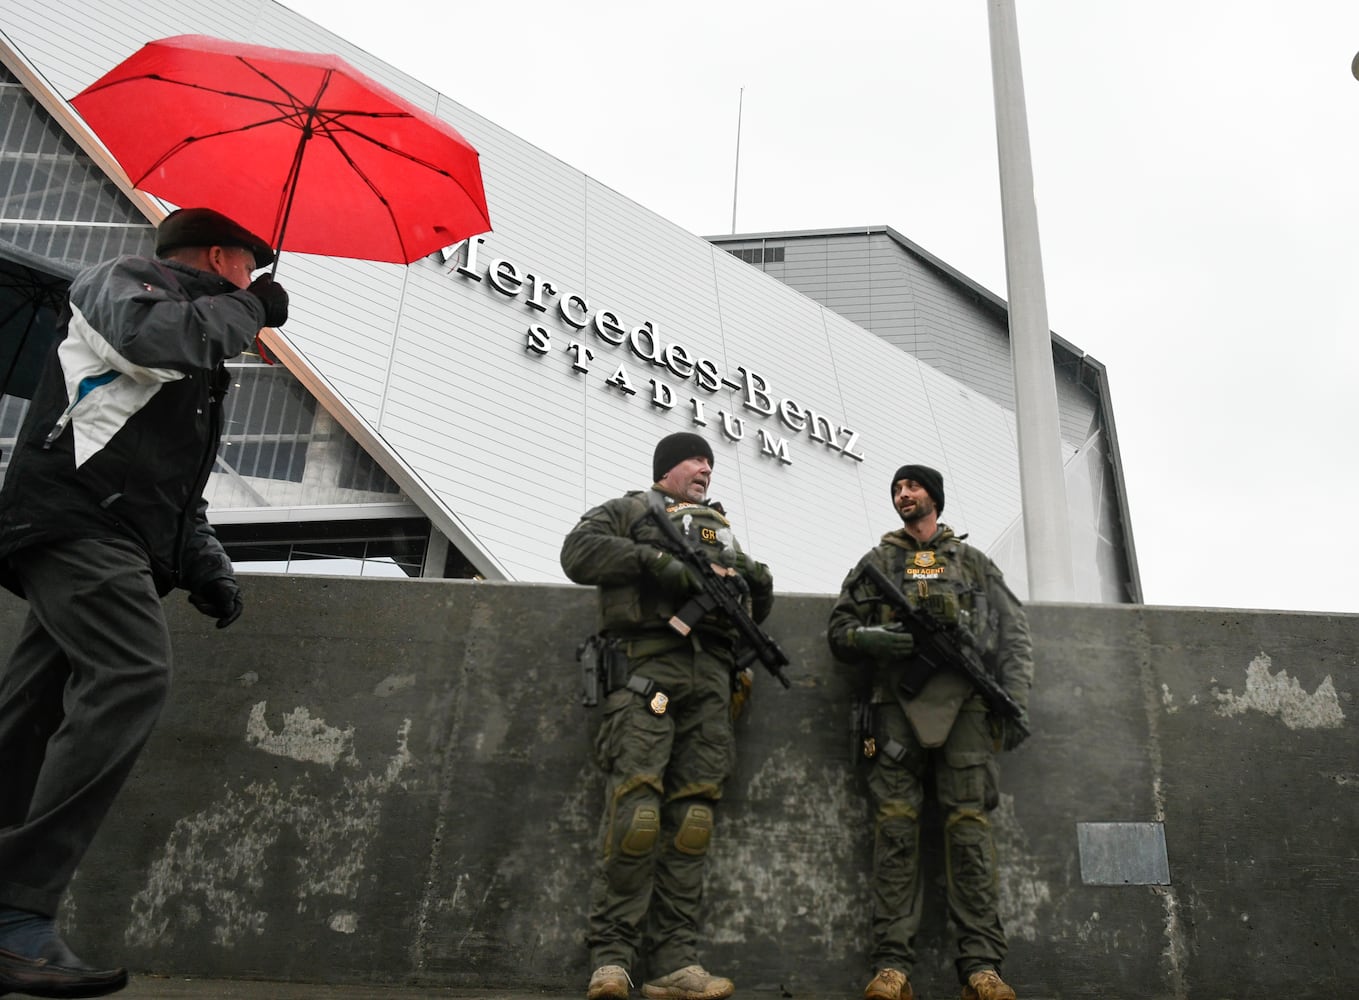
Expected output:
{"points": [[300, 148], [31, 300]]}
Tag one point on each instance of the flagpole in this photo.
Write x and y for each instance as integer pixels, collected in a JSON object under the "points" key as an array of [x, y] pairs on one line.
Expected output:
{"points": [[735, 182], [1042, 487]]}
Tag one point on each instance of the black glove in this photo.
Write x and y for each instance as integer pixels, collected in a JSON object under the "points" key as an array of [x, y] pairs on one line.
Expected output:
{"points": [[673, 578], [882, 643], [275, 299], [220, 599]]}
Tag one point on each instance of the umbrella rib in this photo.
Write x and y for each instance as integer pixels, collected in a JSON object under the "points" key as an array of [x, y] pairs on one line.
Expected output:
{"points": [[358, 171], [14, 313], [190, 140], [334, 118], [291, 98], [295, 170], [286, 111], [158, 78], [384, 146], [374, 157], [329, 133]]}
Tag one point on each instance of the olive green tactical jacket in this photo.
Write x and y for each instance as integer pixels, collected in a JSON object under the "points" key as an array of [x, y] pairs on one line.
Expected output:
{"points": [[609, 548], [987, 606]]}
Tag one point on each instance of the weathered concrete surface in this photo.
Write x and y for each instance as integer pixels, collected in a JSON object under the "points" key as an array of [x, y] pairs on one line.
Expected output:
{"points": [[155, 988], [389, 782], [151, 988]]}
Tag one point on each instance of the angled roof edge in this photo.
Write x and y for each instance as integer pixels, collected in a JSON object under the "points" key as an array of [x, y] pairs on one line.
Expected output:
{"points": [[440, 515], [1120, 484], [312, 380], [1096, 369], [916, 250], [74, 126]]}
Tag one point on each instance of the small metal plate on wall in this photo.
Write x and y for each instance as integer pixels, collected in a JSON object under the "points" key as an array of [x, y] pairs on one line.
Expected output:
{"points": [[1123, 853]]}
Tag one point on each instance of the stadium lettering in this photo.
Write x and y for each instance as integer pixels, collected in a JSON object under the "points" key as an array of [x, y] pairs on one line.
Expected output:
{"points": [[594, 326]]}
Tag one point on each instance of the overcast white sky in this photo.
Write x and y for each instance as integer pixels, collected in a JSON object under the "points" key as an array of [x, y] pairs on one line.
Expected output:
{"points": [[1196, 166]]}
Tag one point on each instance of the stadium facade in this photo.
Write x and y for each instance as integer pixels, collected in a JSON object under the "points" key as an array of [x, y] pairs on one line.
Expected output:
{"points": [[454, 417]]}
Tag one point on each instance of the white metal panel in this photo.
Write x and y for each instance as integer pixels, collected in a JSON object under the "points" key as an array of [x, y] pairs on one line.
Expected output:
{"points": [[981, 472], [343, 314], [73, 48], [514, 443], [801, 513]]}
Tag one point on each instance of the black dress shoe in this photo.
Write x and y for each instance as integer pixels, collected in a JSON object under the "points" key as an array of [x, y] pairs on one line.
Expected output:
{"points": [[56, 972]]}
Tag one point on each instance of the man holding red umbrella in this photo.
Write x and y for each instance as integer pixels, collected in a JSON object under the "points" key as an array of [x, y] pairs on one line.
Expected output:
{"points": [[101, 515]]}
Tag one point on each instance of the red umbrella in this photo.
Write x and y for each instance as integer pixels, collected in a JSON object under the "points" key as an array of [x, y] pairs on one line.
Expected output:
{"points": [[294, 146]]}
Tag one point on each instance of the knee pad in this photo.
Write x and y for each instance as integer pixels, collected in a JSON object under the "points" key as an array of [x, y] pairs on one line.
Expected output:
{"points": [[695, 830], [639, 837], [964, 815], [894, 809], [896, 827]]}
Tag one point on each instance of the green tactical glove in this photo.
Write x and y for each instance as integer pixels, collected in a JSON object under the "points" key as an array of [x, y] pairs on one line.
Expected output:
{"points": [[1010, 733], [673, 578], [881, 643], [756, 573]]}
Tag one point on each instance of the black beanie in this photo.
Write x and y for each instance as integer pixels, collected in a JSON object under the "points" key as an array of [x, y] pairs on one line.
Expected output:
{"points": [[929, 478], [673, 449]]}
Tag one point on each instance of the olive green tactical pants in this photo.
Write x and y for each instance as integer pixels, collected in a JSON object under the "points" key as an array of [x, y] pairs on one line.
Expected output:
{"points": [[665, 774], [965, 783]]}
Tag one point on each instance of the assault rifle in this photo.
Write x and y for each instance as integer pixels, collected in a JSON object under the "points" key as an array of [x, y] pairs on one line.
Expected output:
{"points": [[720, 592], [938, 646]]}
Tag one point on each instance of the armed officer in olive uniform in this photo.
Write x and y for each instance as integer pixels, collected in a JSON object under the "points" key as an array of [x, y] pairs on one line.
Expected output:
{"points": [[666, 740], [945, 729]]}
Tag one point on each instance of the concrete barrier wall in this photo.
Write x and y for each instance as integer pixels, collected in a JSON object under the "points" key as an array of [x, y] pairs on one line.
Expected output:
{"points": [[391, 782]]}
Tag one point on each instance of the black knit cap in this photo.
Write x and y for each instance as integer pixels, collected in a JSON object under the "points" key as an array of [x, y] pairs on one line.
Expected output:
{"points": [[673, 449], [931, 479], [203, 227]]}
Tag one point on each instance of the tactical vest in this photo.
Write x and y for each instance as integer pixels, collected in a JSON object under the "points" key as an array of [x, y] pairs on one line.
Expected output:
{"points": [[702, 525], [634, 609], [938, 580]]}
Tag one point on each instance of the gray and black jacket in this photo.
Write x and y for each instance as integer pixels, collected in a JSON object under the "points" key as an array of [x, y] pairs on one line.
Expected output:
{"points": [[125, 423]]}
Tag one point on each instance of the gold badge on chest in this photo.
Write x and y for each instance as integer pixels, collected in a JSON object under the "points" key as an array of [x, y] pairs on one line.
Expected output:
{"points": [[925, 565]]}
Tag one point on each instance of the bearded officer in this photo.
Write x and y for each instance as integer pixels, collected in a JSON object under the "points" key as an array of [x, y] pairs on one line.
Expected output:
{"points": [[666, 741], [944, 729]]}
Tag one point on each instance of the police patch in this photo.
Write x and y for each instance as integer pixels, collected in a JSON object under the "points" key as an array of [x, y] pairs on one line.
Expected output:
{"points": [[924, 558]]}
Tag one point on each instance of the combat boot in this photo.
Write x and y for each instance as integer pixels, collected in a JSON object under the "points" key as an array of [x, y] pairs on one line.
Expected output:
{"points": [[692, 982], [986, 984], [889, 984], [609, 982]]}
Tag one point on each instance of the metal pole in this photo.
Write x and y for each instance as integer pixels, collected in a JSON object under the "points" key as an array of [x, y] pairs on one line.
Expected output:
{"points": [[735, 181], [1047, 539]]}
